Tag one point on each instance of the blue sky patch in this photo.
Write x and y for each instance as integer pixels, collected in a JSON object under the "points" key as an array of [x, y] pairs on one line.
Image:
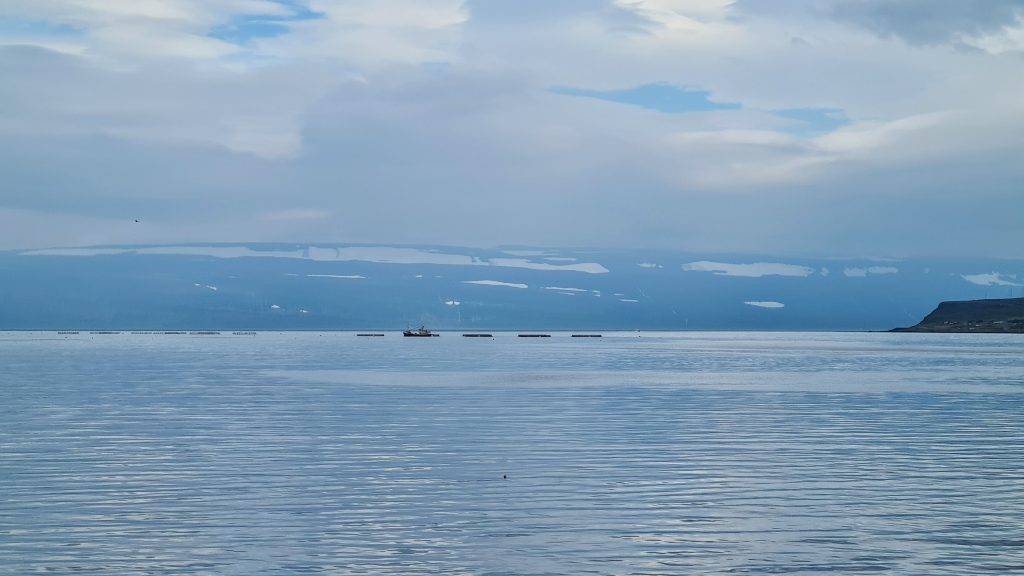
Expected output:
{"points": [[21, 28], [812, 121], [242, 29], [660, 97]]}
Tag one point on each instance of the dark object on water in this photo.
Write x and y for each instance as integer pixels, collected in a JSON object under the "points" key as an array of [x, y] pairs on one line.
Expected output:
{"points": [[419, 332], [245, 333], [504, 476], [370, 334], [204, 333], [535, 335], [477, 335], [586, 335]]}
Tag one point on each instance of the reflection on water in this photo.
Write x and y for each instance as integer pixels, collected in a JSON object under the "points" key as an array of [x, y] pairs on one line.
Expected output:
{"points": [[308, 453]]}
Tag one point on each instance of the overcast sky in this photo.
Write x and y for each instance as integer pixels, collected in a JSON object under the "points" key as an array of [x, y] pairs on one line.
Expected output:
{"points": [[819, 127]]}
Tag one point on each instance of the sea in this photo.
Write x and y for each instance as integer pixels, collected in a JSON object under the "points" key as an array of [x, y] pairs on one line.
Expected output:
{"points": [[633, 453]]}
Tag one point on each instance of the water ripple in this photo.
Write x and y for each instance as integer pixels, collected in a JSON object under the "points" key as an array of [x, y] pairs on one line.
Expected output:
{"points": [[311, 454]]}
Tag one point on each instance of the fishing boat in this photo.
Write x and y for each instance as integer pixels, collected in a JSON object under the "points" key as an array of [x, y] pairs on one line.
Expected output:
{"points": [[421, 332]]}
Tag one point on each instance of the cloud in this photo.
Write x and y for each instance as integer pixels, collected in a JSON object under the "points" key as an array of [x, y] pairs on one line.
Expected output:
{"points": [[931, 21], [395, 121], [755, 270], [295, 214], [992, 279], [813, 121]]}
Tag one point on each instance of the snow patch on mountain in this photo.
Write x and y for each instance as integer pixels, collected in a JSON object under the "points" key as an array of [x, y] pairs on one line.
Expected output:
{"points": [[495, 283], [375, 254], [587, 267], [992, 279], [765, 304], [754, 270], [863, 272], [348, 277]]}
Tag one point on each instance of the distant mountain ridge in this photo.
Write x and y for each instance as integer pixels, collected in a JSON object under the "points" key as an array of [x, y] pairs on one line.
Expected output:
{"points": [[980, 316], [246, 286]]}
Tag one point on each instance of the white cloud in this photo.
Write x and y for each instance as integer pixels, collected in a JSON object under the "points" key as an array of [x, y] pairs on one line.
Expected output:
{"points": [[992, 279], [765, 304], [350, 113], [372, 33], [755, 270]]}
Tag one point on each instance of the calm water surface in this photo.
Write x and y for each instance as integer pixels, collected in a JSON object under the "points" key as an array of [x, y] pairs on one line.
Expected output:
{"points": [[694, 453]]}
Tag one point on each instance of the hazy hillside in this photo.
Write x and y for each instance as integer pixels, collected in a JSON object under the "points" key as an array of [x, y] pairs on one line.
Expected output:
{"points": [[262, 286], [1004, 315]]}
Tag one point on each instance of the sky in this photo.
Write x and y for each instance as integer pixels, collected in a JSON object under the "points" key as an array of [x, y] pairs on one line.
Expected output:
{"points": [[847, 128]]}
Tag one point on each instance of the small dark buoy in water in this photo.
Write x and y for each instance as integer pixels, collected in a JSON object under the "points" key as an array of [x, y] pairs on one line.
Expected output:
{"points": [[504, 476]]}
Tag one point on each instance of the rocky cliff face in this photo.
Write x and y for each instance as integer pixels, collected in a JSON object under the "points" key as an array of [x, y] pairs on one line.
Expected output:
{"points": [[997, 316]]}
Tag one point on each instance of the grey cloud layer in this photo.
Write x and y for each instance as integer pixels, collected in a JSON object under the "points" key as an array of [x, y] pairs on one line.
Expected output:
{"points": [[399, 121], [932, 21]]}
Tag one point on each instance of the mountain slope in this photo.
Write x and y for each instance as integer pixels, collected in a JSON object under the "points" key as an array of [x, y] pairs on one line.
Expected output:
{"points": [[323, 287], [996, 316]]}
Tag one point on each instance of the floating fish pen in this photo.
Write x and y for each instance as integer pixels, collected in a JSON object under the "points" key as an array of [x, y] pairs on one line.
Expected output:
{"points": [[67, 332], [373, 334], [535, 335], [104, 332], [204, 333], [175, 332], [476, 335], [139, 332], [245, 333], [586, 335]]}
